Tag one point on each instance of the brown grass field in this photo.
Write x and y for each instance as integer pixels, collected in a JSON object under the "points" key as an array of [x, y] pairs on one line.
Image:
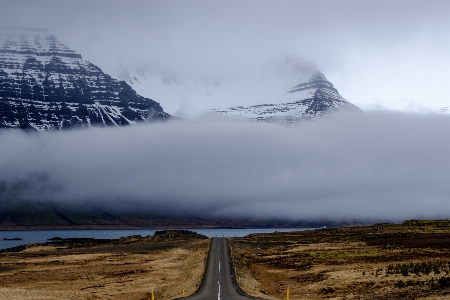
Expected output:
{"points": [[382, 261], [129, 270]]}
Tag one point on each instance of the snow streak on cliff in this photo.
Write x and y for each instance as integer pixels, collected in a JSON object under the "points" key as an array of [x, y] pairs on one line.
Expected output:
{"points": [[45, 85], [312, 97]]}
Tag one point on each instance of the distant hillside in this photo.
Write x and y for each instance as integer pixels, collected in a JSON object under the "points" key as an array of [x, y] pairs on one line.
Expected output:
{"points": [[41, 215]]}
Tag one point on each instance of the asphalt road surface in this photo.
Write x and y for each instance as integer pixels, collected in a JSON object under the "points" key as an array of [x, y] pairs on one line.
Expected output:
{"points": [[219, 281]]}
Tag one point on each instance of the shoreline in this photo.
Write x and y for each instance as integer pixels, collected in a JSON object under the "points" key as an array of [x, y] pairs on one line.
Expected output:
{"points": [[130, 268], [160, 227]]}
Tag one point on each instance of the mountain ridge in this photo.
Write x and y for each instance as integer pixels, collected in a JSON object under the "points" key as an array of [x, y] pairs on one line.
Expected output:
{"points": [[288, 89], [313, 97], [44, 85]]}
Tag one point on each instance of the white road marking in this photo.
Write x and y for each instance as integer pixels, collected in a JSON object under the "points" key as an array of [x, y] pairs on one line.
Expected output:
{"points": [[218, 283]]}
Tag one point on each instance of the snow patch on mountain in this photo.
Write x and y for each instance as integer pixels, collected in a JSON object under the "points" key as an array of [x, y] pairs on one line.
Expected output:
{"points": [[46, 85], [311, 98], [289, 89]]}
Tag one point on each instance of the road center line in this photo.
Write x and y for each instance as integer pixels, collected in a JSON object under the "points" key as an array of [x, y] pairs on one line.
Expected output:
{"points": [[218, 283]]}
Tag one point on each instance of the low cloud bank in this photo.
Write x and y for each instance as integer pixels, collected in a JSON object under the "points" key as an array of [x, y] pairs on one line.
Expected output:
{"points": [[370, 166]]}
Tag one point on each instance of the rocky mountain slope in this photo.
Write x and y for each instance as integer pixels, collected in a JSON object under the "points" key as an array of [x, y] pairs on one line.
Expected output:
{"points": [[312, 97], [283, 90], [46, 86]]}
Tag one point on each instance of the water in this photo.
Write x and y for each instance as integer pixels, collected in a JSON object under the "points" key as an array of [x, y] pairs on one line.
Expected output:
{"points": [[41, 236]]}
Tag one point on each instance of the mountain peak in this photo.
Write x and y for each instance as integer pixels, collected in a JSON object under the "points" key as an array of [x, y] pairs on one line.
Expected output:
{"points": [[316, 81], [313, 96], [46, 85], [33, 41]]}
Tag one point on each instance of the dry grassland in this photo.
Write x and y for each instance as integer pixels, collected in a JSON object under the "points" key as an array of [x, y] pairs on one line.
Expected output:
{"points": [[127, 271], [384, 261]]}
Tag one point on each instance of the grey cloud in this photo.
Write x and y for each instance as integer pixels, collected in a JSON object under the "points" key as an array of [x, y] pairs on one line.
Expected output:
{"points": [[366, 166]]}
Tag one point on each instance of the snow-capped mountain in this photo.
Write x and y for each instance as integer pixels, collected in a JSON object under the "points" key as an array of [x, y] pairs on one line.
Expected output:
{"points": [[311, 98], [45, 85], [288, 90]]}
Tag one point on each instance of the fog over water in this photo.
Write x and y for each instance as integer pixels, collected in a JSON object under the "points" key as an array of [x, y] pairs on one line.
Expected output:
{"points": [[370, 166]]}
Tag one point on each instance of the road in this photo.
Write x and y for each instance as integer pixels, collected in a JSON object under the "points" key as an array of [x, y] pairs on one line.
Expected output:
{"points": [[219, 281]]}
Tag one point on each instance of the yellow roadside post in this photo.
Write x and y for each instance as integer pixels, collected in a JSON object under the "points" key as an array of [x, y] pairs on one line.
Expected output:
{"points": [[153, 296], [256, 293], [182, 293], [288, 294], [245, 288]]}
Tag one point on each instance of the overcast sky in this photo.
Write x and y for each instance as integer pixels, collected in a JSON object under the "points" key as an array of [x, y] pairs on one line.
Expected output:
{"points": [[394, 54]]}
